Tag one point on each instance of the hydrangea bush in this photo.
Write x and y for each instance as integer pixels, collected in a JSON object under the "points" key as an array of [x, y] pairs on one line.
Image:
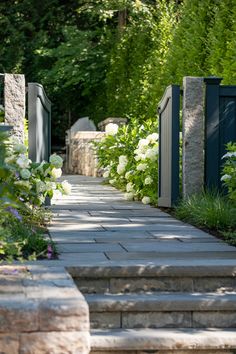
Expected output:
{"points": [[229, 170], [129, 157], [23, 188], [33, 182]]}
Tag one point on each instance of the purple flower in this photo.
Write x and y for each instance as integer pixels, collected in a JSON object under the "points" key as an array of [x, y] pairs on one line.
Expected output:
{"points": [[49, 252], [14, 212]]}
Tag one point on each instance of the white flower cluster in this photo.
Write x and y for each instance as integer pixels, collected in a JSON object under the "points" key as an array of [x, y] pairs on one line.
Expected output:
{"points": [[146, 200], [147, 148], [39, 177], [111, 129], [129, 196], [106, 173], [56, 173], [229, 154], [225, 177], [123, 160], [23, 161], [56, 161]]}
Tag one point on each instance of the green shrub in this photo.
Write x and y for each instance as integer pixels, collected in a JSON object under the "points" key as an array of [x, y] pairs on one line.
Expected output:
{"points": [[129, 158], [22, 219], [229, 171]]}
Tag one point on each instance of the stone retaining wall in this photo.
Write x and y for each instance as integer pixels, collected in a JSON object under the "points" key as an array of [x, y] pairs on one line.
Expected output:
{"points": [[42, 311], [81, 154]]}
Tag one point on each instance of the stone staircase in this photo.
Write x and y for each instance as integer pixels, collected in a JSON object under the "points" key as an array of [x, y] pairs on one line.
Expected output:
{"points": [[160, 309]]}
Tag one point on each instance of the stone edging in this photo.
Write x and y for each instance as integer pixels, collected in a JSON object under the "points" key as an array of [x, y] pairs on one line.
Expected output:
{"points": [[42, 311]]}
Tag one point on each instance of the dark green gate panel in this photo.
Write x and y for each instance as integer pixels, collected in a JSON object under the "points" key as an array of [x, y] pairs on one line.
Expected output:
{"points": [[39, 115], [168, 110], [220, 128]]}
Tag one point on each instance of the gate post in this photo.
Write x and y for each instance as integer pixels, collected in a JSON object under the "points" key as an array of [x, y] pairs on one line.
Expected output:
{"points": [[212, 146], [14, 103], [39, 112], [168, 109], [193, 135]]}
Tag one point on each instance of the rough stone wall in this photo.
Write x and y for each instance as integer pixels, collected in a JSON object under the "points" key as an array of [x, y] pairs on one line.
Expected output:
{"points": [[193, 135], [41, 312], [14, 103], [81, 154]]}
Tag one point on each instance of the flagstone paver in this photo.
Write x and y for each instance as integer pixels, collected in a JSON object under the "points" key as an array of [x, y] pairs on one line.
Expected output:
{"points": [[96, 224]]}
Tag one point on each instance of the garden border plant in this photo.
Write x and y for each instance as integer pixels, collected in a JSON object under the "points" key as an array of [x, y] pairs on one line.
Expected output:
{"points": [[129, 157], [24, 185]]}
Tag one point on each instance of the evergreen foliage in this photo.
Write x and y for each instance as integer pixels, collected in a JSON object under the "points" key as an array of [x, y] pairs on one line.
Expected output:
{"points": [[115, 57]]}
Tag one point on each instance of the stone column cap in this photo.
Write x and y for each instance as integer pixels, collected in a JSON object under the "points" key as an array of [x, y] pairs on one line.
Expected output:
{"points": [[115, 120]]}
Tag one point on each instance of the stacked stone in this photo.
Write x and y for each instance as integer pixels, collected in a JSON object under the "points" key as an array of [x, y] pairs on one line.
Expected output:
{"points": [[42, 311]]}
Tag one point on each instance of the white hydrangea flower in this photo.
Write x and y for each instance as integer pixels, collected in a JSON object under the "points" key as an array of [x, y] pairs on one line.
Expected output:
{"points": [[123, 160], [120, 169], [56, 161], [142, 167], [146, 200], [23, 161], [151, 154], [225, 177], [66, 187], [111, 129], [229, 154], [112, 181], [56, 172], [143, 143], [106, 174], [137, 158], [20, 148], [152, 138], [56, 194], [40, 186], [25, 174], [130, 187], [148, 180], [129, 196], [155, 150]]}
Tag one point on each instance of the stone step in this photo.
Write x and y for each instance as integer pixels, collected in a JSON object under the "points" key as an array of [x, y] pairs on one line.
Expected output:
{"points": [[162, 310], [164, 341], [185, 276]]}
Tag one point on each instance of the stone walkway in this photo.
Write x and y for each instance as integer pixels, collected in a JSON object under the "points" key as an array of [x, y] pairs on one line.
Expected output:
{"points": [[95, 225]]}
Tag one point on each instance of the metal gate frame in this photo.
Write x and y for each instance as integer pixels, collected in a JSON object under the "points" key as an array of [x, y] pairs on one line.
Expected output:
{"points": [[168, 109], [220, 128], [39, 116]]}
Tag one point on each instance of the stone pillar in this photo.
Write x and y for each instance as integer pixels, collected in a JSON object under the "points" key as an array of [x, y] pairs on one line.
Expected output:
{"points": [[119, 121], [193, 135], [14, 103]]}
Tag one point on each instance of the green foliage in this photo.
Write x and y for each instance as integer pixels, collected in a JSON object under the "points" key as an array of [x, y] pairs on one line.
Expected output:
{"points": [[221, 44], [21, 222], [229, 171], [129, 158], [115, 57], [208, 210]]}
